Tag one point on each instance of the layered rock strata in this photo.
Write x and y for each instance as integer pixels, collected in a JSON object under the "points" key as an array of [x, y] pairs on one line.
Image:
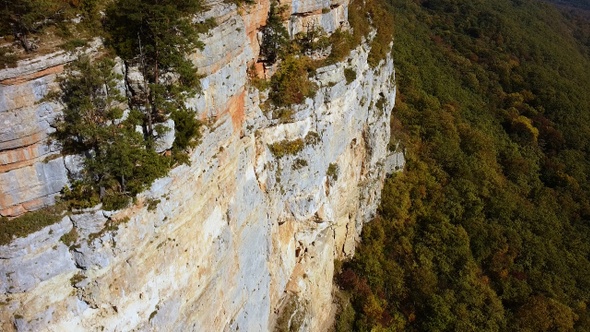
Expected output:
{"points": [[241, 239], [31, 170]]}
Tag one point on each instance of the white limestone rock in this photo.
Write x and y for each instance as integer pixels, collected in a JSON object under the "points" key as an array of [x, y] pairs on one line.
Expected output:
{"points": [[74, 165], [135, 80], [165, 140], [32, 186], [88, 223], [395, 162], [41, 256], [43, 62]]}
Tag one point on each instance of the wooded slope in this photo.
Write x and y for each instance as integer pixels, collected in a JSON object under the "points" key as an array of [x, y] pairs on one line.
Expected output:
{"points": [[487, 228]]}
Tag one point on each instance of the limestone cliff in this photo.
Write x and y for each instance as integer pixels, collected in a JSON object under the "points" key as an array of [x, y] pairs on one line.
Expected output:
{"points": [[239, 240]]}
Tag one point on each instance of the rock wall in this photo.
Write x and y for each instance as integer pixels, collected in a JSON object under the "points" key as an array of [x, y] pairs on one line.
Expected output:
{"points": [[238, 240], [31, 170]]}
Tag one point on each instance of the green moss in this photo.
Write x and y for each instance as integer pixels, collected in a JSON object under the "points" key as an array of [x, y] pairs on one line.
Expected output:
{"points": [[380, 104], [154, 313], [283, 114], [76, 278], [29, 223], [285, 147], [350, 75], [152, 203], [290, 317], [73, 44], [299, 163], [312, 138], [7, 58], [332, 172], [69, 238]]}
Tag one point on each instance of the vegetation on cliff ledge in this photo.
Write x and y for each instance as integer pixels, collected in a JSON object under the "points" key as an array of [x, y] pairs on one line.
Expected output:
{"points": [[299, 57], [117, 164], [119, 149], [116, 135], [487, 228]]}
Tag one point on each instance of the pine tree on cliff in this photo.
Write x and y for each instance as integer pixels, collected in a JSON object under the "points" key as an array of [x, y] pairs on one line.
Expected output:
{"points": [[116, 163], [274, 35], [157, 36]]}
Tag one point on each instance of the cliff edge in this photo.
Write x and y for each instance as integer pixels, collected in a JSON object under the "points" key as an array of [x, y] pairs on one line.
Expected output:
{"points": [[242, 239]]}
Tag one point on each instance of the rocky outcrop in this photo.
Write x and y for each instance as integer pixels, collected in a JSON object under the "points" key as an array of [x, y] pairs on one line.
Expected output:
{"points": [[325, 14], [243, 238]]}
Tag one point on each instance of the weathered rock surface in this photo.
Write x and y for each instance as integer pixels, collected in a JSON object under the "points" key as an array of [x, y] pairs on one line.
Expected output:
{"points": [[29, 177], [232, 242]]}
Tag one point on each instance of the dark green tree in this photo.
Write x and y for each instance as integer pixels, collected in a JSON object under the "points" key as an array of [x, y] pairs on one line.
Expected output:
{"points": [[157, 36], [117, 164], [275, 37]]}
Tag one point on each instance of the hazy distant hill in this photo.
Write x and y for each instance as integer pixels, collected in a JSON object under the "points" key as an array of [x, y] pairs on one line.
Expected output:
{"points": [[581, 4]]}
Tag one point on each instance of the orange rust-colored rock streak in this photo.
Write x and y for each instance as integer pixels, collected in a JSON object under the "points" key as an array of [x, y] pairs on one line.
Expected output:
{"points": [[13, 159], [23, 141], [254, 17], [259, 70], [15, 210], [21, 79], [236, 109]]}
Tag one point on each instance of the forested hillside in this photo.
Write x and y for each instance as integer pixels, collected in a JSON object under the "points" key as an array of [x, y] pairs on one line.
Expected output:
{"points": [[487, 228]]}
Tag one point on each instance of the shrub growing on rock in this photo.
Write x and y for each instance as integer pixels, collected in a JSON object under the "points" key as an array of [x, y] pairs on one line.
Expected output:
{"points": [[275, 37], [291, 84], [157, 37], [118, 163]]}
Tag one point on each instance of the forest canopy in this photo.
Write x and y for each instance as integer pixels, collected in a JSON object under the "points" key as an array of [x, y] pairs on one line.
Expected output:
{"points": [[487, 228]]}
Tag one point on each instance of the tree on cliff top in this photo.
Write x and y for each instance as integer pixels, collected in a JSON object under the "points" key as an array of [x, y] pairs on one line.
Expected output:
{"points": [[117, 164], [157, 35], [120, 161]]}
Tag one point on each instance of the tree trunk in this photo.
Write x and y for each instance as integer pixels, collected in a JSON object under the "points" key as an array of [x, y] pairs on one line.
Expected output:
{"points": [[24, 41]]}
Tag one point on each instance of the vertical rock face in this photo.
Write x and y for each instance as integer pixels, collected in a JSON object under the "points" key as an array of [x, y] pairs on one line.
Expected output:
{"points": [[243, 238], [31, 170], [27, 183]]}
